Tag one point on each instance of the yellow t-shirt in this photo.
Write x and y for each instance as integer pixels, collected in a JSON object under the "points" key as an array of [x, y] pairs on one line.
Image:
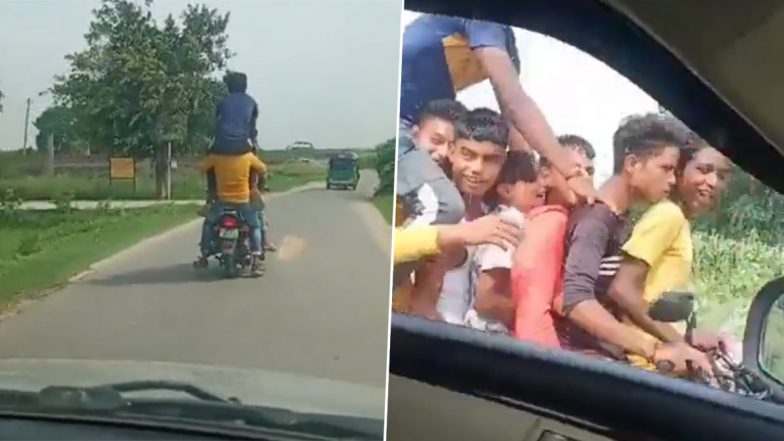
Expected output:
{"points": [[232, 174], [401, 296], [662, 239]]}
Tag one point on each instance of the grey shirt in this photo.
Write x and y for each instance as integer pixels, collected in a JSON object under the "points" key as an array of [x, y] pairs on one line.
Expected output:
{"points": [[594, 236]]}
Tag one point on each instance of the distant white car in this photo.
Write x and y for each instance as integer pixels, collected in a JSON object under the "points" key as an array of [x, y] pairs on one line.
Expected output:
{"points": [[300, 145]]}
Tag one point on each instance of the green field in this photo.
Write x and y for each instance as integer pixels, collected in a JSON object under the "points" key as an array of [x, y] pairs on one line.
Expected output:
{"points": [[41, 249], [23, 175], [187, 183]]}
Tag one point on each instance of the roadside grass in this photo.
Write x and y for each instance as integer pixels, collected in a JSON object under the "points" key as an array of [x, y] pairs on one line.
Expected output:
{"points": [[187, 183], [385, 204], [42, 249], [729, 271]]}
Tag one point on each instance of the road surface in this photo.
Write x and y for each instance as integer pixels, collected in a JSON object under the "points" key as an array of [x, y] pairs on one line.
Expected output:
{"points": [[321, 310]]}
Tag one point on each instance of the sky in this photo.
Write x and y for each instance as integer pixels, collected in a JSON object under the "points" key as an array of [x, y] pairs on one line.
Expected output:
{"points": [[577, 93], [324, 71]]}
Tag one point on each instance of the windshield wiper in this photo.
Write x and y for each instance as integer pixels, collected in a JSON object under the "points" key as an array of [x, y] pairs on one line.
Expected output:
{"points": [[109, 400], [174, 386]]}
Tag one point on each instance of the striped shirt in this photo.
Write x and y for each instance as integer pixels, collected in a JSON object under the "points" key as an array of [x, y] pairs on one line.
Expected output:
{"points": [[594, 236]]}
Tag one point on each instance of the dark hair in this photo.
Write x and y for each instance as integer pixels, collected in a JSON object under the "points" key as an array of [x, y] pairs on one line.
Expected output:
{"points": [[236, 82], [482, 125], [518, 167], [644, 135], [446, 109], [574, 142], [694, 143]]}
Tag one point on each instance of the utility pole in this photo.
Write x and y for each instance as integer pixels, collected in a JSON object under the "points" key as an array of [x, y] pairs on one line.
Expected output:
{"points": [[27, 121], [49, 164], [168, 170]]}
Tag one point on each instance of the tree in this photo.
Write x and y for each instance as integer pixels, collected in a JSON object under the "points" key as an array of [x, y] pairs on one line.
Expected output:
{"points": [[201, 123], [1, 101], [139, 85], [59, 122]]}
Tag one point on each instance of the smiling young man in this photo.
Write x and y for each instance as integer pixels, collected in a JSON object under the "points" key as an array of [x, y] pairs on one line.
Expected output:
{"points": [[479, 151], [434, 130], [646, 150], [658, 257], [434, 133]]}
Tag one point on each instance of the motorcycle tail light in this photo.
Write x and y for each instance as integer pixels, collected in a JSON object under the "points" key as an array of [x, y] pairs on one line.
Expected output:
{"points": [[229, 222]]}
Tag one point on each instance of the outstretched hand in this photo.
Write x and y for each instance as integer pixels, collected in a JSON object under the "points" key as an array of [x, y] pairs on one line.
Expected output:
{"points": [[488, 229]]}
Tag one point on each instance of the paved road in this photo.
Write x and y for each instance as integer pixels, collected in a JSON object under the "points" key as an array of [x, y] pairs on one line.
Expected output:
{"points": [[321, 309]]}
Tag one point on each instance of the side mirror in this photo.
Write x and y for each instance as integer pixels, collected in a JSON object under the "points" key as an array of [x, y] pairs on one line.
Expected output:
{"points": [[676, 306], [763, 339], [673, 306]]}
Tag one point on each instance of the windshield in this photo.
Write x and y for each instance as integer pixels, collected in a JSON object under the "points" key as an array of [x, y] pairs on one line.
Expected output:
{"points": [[342, 163], [135, 248]]}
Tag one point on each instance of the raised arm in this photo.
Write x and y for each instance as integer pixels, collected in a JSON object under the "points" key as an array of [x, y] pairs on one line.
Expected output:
{"points": [[489, 42]]}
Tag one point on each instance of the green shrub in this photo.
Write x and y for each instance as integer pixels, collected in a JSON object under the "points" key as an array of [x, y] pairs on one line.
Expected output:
{"points": [[29, 245], [738, 249], [9, 201], [63, 201], [385, 166]]}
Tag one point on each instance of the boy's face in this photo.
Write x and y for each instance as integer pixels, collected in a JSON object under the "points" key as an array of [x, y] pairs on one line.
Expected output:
{"points": [[555, 183], [653, 177], [435, 135], [522, 195], [704, 179], [475, 165]]}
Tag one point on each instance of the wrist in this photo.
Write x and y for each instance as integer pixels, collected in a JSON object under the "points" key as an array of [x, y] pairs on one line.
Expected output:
{"points": [[448, 236], [651, 346]]}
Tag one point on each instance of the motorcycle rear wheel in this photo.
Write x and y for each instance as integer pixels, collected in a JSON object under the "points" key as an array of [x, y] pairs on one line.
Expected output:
{"points": [[229, 266]]}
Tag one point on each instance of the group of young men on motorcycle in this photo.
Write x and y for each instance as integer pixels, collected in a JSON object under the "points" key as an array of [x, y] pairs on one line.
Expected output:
{"points": [[235, 174], [490, 237]]}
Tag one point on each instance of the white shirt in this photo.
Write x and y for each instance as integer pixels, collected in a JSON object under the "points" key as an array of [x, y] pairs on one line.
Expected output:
{"points": [[487, 257], [455, 298]]}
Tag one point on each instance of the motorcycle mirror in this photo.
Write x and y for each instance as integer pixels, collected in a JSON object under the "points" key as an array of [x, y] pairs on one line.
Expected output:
{"points": [[673, 306], [763, 338]]}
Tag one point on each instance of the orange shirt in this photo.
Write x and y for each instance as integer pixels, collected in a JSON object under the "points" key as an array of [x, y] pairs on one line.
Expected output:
{"points": [[537, 275]]}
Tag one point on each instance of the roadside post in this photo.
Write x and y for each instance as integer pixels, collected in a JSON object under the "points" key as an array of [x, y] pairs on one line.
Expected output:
{"points": [[168, 138]]}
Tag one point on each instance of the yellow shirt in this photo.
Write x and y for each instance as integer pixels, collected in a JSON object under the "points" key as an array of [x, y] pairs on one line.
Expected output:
{"points": [[662, 239], [415, 243], [401, 296], [232, 175]]}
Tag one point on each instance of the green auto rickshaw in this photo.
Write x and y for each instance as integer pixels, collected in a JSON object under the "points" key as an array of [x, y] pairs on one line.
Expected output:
{"points": [[343, 171]]}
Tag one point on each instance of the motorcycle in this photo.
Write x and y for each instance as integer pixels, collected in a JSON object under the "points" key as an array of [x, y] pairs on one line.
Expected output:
{"points": [[232, 244], [728, 374]]}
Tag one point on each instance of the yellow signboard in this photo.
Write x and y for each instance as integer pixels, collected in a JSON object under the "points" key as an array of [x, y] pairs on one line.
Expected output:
{"points": [[122, 168]]}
